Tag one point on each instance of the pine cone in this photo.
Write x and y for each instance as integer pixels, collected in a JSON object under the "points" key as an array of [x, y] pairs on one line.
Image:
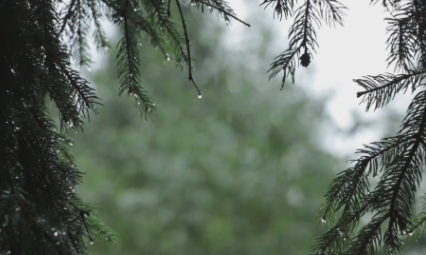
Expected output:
{"points": [[305, 59]]}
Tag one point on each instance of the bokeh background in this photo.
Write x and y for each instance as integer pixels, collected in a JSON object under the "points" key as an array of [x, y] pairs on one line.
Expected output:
{"points": [[243, 170]]}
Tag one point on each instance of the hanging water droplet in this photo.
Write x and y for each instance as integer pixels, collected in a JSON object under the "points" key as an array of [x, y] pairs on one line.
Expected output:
{"points": [[55, 234], [89, 69], [91, 242], [200, 96], [140, 44], [135, 10], [71, 144], [323, 220], [73, 190]]}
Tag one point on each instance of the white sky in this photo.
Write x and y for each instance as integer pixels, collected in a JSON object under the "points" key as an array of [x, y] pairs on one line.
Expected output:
{"points": [[345, 53]]}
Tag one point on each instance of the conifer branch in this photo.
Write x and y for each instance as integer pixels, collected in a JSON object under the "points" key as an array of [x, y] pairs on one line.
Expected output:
{"points": [[149, 26], [351, 185], [169, 3], [418, 223], [167, 27], [332, 11], [285, 62], [70, 12], [128, 61], [302, 37], [302, 33], [380, 89], [401, 44], [281, 7], [224, 10], [101, 41], [188, 49]]}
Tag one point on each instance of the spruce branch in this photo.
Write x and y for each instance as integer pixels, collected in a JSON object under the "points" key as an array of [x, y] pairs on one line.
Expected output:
{"points": [[281, 7], [418, 223], [222, 7], [335, 239], [369, 237], [380, 89], [388, 4], [401, 44], [188, 49], [68, 15], [285, 62], [302, 33], [149, 26], [351, 186], [302, 37], [332, 11], [101, 40], [128, 61], [169, 3], [167, 27]]}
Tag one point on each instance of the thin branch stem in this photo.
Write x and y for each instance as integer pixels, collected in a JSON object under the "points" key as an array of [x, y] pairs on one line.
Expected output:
{"points": [[185, 30]]}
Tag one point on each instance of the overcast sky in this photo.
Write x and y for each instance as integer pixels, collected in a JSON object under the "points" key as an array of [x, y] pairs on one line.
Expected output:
{"points": [[345, 53]]}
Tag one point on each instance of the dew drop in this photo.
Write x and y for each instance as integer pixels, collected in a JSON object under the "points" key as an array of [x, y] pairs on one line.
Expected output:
{"points": [[323, 220], [55, 234], [91, 242], [200, 96]]}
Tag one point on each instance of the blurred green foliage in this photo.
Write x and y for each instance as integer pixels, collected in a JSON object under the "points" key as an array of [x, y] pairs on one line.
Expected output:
{"points": [[239, 171]]}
